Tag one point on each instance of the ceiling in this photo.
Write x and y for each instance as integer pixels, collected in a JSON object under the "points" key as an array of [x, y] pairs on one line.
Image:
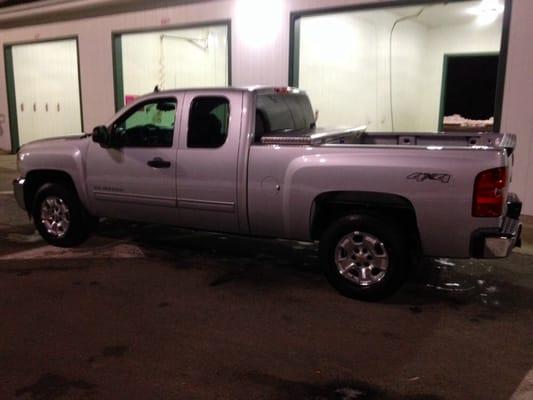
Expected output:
{"points": [[22, 12], [435, 15]]}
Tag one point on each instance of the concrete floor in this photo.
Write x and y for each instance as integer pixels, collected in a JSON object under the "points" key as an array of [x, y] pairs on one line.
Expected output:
{"points": [[150, 312]]}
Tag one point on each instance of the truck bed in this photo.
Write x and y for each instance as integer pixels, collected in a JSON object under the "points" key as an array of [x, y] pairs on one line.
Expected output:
{"points": [[359, 136]]}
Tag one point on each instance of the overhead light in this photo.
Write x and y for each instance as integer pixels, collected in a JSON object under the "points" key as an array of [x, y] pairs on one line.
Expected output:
{"points": [[487, 11], [259, 22]]}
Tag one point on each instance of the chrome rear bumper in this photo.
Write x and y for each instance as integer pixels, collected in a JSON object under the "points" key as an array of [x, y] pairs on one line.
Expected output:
{"points": [[502, 244], [499, 242]]}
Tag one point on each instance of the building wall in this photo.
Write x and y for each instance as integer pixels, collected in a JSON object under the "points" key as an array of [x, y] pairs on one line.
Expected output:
{"points": [[259, 55], [518, 99]]}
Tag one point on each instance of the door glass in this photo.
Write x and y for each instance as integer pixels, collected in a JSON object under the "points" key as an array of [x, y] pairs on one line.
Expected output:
{"points": [[148, 125], [208, 122]]}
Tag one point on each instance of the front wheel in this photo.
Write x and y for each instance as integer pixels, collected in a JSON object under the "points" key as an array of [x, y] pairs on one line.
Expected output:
{"points": [[59, 216], [363, 257]]}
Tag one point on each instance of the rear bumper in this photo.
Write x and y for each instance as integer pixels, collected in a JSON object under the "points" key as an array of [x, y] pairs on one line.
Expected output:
{"points": [[18, 190], [498, 243], [501, 244]]}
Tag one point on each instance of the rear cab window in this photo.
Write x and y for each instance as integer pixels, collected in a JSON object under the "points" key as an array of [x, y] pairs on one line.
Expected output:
{"points": [[282, 112]]}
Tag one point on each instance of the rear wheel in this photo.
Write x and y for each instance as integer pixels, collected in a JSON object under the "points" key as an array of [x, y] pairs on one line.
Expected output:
{"points": [[59, 216], [363, 257]]}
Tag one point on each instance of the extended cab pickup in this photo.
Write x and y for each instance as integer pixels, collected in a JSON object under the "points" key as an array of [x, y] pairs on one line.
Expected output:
{"points": [[250, 161]]}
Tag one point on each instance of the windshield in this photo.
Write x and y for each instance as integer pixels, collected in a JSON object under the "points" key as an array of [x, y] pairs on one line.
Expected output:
{"points": [[283, 112]]}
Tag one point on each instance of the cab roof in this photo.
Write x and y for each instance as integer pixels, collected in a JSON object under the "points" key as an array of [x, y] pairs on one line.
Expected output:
{"points": [[259, 89]]}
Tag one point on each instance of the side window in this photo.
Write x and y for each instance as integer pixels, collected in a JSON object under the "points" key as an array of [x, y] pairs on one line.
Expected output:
{"points": [[150, 124], [208, 122]]}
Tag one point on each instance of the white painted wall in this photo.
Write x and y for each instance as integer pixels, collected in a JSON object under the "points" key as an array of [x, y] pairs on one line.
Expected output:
{"points": [[409, 43], [169, 61], [344, 66], [47, 89], [264, 60], [518, 99], [338, 68]]}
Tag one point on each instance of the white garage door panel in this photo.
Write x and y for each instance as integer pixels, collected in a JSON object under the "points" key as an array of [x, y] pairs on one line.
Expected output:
{"points": [[47, 89]]}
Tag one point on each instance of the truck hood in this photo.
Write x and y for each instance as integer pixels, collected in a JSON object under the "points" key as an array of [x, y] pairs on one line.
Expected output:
{"points": [[59, 138], [66, 153], [55, 141]]}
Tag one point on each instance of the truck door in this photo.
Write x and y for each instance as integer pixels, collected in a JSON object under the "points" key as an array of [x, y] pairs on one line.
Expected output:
{"points": [[208, 157], [136, 179]]}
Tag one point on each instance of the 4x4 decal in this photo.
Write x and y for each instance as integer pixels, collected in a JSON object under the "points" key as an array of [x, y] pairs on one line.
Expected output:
{"points": [[425, 176]]}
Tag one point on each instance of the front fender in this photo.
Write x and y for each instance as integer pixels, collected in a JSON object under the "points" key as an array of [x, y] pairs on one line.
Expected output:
{"points": [[63, 156]]}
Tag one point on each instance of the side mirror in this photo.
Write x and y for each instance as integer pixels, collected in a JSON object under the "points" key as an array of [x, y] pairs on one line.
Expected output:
{"points": [[101, 136]]}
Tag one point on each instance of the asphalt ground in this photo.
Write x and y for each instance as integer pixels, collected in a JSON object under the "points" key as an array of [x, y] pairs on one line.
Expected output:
{"points": [[154, 312]]}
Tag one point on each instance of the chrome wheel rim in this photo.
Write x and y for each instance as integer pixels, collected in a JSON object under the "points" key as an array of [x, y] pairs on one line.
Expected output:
{"points": [[361, 258], [55, 216]]}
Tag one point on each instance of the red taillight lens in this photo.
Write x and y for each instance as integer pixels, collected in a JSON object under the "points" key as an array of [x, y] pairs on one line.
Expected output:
{"points": [[489, 193]]}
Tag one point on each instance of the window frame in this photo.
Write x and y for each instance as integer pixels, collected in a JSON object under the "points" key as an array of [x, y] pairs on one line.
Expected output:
{"points": [[217, 96], [294, 40], [116, 48], [135, 107]]}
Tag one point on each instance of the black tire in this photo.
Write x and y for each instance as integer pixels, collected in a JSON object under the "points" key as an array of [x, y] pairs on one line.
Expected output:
{"points": [[374, 228], [78, 227], [92, 222]]}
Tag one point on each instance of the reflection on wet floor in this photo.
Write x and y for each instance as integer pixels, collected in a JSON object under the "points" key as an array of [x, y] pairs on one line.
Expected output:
{"points": [[472, 281], [239, 258]]}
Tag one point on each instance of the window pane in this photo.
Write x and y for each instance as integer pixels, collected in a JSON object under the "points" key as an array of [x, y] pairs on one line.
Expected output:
{"points": [[383, 67], [279, 112], [174, 58], [150, 125], [208, 122]]}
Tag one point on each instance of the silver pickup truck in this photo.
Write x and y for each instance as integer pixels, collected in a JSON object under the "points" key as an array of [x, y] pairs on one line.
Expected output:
{"points": [[251, 161]]}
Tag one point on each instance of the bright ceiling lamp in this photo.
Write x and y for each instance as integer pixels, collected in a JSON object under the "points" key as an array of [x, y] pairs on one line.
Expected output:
{"points": [[259, 22], [487, 11]]}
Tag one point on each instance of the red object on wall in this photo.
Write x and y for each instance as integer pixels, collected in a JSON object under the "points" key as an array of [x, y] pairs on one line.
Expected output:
{"points": [[129, 98]]}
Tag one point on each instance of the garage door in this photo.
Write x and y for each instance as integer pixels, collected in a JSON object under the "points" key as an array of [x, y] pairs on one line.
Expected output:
{"points": [[45, 90]]}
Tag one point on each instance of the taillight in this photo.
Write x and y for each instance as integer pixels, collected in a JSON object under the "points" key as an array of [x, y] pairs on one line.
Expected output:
{"points": [[282, 90], [489, 193]]}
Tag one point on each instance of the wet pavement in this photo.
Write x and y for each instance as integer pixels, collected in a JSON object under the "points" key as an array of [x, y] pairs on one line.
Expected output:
{"points": [[152, 312]]}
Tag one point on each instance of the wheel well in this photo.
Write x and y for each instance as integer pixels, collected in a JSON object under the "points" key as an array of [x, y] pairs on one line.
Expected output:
{"points": [[328, 207], [35, 179]]}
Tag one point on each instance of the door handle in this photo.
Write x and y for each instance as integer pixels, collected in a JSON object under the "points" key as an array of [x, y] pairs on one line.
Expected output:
{"points": [[158, 163]]}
